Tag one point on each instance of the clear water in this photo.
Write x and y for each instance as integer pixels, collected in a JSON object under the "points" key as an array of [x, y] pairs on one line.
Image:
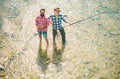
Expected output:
{"points": [[92, 50]]}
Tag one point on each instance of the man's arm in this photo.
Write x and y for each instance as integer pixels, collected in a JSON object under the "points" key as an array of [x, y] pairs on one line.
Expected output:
{"points": [[36, 23], [63, 18], [47, 23], [50, 19], [38, 26]]}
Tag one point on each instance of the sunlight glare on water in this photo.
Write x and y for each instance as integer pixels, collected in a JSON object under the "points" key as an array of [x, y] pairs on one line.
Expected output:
{"points": [[91, 52]]}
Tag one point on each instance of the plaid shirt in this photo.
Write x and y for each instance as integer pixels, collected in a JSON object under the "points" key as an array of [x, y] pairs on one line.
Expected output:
{"points": [[42, 21], [57, 23]]}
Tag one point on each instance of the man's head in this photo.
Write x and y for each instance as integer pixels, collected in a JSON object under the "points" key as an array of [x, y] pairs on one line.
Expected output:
{"points": [[42, 12], [57, 10]]}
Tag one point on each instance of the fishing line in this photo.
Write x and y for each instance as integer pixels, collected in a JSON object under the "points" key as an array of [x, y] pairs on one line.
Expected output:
{"points": [[85, 19]]}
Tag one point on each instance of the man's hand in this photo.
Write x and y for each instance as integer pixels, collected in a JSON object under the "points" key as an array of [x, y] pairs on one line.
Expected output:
{"points": [[39, 27], [69, 23], [51, 22]]}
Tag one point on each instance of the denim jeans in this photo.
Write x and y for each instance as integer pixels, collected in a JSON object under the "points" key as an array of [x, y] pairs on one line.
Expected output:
{"points": [[62, 32]]}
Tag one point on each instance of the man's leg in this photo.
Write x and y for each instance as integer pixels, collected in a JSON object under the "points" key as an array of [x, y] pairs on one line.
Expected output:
{"points": [[46, 39], [40, 36], [54, 35], [63, 35]]}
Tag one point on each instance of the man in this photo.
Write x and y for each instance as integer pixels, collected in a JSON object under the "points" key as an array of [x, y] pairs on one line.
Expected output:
{"points": [[42, 25], [56, 21]]}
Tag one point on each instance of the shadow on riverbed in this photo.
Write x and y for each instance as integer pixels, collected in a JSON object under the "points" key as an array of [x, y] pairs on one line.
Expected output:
{"points": [[42, 58], [57, 56]]}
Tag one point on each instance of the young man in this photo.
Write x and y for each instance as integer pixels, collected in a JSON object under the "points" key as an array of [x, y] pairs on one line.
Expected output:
{"points": [[57, 19], [42, 25]]}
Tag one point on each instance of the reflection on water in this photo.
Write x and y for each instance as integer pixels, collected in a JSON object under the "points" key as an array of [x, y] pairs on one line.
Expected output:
{"points": [[57, 56], [42, 58], [92, 50]]}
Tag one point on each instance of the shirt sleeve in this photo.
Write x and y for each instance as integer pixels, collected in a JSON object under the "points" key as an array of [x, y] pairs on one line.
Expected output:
{"points": [[47, 23], [48, 20], [36, 23], [63, 18], [50, 17]]}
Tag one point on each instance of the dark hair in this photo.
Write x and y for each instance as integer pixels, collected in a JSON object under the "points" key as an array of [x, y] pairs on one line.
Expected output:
{"points": [[56, 8], [42, 9]]}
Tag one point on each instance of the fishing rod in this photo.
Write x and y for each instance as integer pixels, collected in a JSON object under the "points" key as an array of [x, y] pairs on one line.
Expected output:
{"points": [[86, 18], [81, 19], [10, 60], [58, 34]]}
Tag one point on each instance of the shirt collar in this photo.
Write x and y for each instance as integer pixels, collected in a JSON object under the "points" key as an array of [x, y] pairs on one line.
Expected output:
{"points": [[41, 17], [58, 14]]}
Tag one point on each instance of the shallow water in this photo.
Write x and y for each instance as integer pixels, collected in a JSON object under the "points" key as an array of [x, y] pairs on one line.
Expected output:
{"points": [[91, 52]]}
